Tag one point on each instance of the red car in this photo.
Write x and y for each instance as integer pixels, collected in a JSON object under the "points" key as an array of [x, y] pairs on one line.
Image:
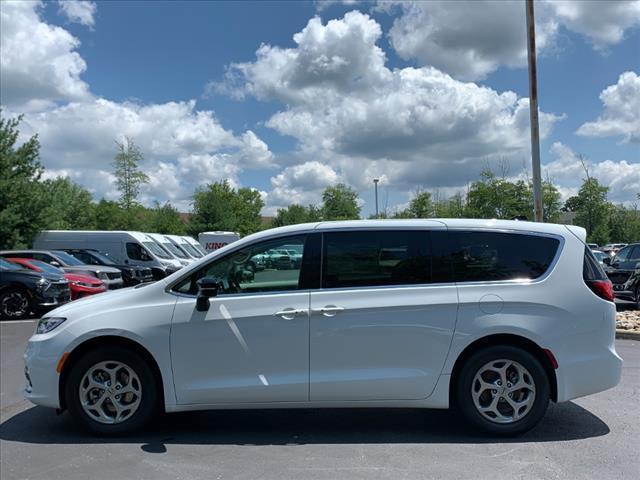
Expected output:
{"points": [[80, 285]]}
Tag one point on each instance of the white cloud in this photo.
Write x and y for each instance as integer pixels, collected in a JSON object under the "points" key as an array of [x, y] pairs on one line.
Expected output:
{"points": [[79, 11], [622, 177], [183, 147], [347, 110], [470, 39], [602, 22], [302, 184], [38, 61], [621, 114]]}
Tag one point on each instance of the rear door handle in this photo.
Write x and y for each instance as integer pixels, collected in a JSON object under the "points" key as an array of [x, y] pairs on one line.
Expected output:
{"points": [[328, 310], [290, 313]]}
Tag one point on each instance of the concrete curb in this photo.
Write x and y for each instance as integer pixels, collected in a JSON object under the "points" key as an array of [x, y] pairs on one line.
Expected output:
{"points": [[627, 335]]}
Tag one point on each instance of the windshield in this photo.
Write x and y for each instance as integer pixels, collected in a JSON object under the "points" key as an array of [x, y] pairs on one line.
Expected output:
{"points": [[102, 257], [172, 248], [66, 258], [4, 265], [156, 249], [192, 251], [45, 267]]}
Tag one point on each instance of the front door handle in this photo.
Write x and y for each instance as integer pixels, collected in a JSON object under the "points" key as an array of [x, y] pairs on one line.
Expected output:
{"points": [[290, 313], [328, 310]]}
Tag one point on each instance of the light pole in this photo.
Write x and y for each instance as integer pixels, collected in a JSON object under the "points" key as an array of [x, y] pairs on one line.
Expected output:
{"points": [[375, 183], [533, 113]]}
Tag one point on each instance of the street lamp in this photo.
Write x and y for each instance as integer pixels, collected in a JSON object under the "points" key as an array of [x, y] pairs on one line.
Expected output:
{"points": [[375, 182]]}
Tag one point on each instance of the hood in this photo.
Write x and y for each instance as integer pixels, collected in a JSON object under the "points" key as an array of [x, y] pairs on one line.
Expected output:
{"points": [[23, 272], [87, 306], [76, 277], [90, 268]]}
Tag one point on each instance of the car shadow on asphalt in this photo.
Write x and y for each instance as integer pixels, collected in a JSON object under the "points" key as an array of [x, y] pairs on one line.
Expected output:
{"points": [[563, 422]]}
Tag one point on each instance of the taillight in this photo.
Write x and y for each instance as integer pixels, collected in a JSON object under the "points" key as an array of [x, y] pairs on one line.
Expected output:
{"points": [[602, 288]]}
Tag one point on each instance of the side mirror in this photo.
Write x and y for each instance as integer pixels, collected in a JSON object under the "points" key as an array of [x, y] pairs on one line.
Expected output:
{"points": [[207, 288], [606, 261]]}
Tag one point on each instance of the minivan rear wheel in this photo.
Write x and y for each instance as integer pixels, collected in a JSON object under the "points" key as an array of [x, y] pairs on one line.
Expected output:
{"points": [[503, 390], [111, 391]]}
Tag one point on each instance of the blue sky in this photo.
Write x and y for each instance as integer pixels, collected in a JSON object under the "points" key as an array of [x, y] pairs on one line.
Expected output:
{"points": [[319, 116]]}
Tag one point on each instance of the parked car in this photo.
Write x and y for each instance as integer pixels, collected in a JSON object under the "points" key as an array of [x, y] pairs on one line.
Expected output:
{"points": [[111, 277], [600, 256], [612, 248], [131, 274], [195, 245], [24, 292], [624, 272], [123, 247], [80, 285], [168, 246], [593, 246], [495, 317]]}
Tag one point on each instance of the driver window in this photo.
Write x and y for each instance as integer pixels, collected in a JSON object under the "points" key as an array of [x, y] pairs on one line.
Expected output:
{"points": [[268, 266], [622, 255]]}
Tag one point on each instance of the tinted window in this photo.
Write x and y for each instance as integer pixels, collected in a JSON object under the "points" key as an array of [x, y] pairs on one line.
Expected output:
{"points": [[634, 256], [622, 255], [262, 267], [66, 258], [486, 256], [591, 269], [375, 258], [136, 252]]}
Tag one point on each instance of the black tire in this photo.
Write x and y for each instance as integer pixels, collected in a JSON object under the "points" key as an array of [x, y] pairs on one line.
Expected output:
{"points": [[638, 298], [149, 397], [8, 305], [463, 392]]}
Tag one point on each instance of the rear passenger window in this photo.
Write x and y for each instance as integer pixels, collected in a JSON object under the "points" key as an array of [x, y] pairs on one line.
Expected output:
{"points": [[591, 269], [375, 258], [487, 256]]}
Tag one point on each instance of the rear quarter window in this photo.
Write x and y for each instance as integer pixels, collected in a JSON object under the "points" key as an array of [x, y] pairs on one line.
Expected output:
{"points": [[479, 256]]}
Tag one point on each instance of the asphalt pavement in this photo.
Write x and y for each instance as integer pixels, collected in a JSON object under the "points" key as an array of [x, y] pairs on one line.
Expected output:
{"points": [[594, 437]]}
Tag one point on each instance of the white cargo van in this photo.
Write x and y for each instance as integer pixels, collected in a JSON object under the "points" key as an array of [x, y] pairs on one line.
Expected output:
{"points": [[184, 246], [133, 248], [169, 247], [196, 246], [212, 241]]}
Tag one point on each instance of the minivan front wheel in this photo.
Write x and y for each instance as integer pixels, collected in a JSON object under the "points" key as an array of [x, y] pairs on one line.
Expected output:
{"points": [[111, 391], [503, 390]]}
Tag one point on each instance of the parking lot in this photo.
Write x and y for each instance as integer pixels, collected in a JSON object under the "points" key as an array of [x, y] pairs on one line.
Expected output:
{"points": [[594, 437]]}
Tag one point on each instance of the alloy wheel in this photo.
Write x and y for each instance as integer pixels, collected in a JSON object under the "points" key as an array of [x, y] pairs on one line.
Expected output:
{"points": [[503, 391], [15, 305], [110, 392]]}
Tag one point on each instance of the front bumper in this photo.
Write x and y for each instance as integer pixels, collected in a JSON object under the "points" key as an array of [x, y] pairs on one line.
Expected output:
{"points": [[112, 284], [41, 379]]}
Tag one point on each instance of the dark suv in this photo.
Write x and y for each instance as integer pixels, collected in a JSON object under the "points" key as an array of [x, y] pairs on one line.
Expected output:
{"points": [[24, 292], [624, 272], [131, 274]]}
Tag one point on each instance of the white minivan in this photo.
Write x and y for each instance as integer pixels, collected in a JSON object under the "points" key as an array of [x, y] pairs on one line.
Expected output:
{"points": [[495, 318]]}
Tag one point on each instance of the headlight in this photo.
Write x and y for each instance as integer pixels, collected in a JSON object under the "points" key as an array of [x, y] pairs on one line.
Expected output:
{"points": [[83, 284], [45, 325], [43, 284]]}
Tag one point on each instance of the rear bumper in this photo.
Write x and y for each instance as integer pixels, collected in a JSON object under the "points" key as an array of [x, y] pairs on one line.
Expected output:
{"points": [[587, 366]]}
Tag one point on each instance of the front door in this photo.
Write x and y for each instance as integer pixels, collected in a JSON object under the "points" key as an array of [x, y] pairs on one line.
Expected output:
{"points": [[252, 345], [382, 323]]}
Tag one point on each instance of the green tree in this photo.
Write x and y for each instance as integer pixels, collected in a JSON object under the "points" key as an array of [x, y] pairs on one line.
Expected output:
{"points": [[69, 206], [166, 219], [551, 204], [592, 210], [127, 171], [218, 206], [22, 212], [340, 203], [494, 197], [109, 215], [246, 207], [420, 206], [291, 215]]}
